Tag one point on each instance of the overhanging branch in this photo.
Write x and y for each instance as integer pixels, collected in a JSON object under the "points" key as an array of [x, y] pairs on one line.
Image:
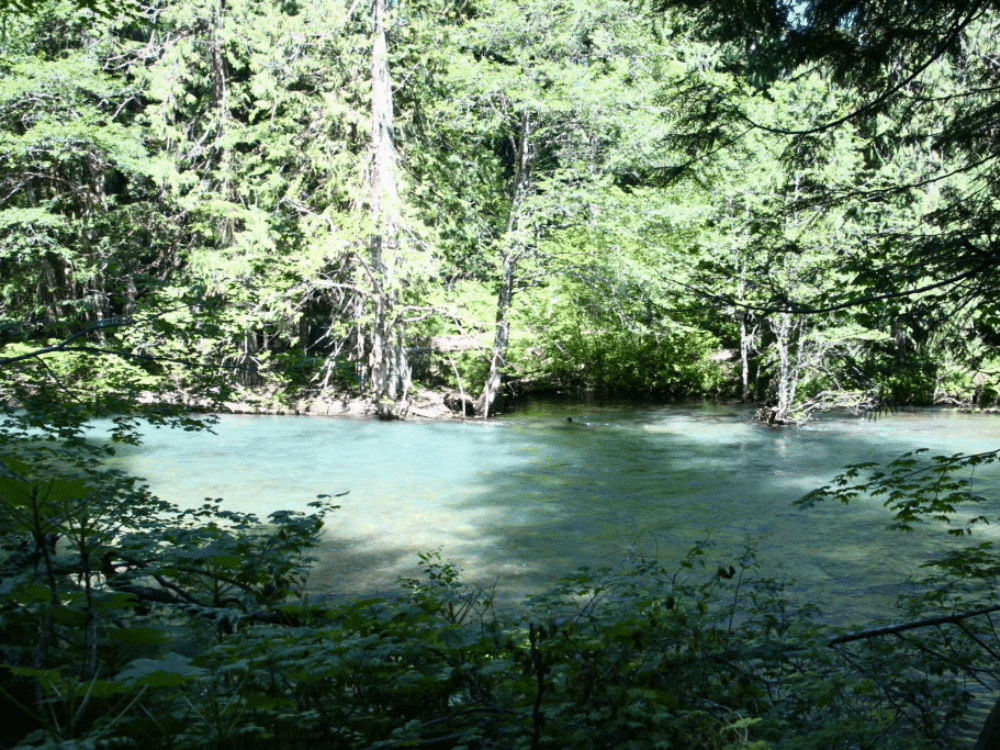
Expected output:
{"points": [[913, 625], [802, 310]]}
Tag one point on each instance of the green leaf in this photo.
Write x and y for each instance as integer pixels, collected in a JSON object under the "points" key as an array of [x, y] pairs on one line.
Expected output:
{"points": [[141, 636], [170, 670]]}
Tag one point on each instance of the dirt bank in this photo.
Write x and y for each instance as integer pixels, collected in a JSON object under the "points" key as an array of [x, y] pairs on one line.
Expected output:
{"points": [[423, 404]]}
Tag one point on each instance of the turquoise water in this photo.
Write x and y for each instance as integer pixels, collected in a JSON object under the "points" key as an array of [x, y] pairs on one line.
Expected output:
{"points": [[519, 501]]}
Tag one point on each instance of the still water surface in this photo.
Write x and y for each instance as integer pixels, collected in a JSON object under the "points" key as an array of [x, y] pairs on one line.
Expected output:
{"points": [[522, 500]]}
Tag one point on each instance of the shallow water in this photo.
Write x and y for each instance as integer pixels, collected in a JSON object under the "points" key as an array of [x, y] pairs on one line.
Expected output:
{"points": [[521, 500]]}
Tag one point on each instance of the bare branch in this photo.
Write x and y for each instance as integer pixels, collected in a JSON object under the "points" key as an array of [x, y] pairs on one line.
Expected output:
{"points": [[913, 625]]}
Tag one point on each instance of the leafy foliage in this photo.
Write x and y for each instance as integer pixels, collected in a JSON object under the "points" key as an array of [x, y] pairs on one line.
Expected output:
{"points": [[638, 657], [912, 488], [104, 584], [953, 606], [212, 160]]}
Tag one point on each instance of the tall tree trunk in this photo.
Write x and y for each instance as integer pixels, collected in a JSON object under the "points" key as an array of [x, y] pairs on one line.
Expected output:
{"points": [[511, 253], [380, 349], [220, 96], [794, 359], [783, 328], [748, 326]]}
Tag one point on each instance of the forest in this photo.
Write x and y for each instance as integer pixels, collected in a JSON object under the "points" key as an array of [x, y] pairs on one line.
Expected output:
{"points": [[309, 204], [410, 209]]}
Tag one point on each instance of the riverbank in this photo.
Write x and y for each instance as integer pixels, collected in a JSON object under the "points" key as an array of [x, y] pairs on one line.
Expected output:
{"points": [[445, 404], [423, 403]]}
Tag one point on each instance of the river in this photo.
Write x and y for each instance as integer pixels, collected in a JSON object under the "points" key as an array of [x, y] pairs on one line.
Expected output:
{"points": [[521, 500]]}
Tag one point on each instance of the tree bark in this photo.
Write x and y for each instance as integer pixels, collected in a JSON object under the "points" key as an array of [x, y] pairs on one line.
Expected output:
{"points": [[511, 254], [747, 335], [380, 350], [225, 226], [782, 328], [498, 357]]}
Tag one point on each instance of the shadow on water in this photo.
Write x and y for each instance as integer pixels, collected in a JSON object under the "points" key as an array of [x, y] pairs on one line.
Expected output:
{"points": [[525, 500], [654, 484]]}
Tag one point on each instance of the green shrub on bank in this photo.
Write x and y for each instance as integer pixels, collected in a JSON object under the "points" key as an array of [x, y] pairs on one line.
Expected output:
{"points": [[674, 363], [622, 346]]}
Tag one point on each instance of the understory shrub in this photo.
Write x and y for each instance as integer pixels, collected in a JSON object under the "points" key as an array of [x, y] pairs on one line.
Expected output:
{"points": [[697, 656], [671, 364]]}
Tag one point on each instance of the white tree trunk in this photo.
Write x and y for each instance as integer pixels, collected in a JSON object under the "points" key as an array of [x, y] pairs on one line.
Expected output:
{"points": [[380, 348], [501, 338], [783, 328], [747, 336], [511, 254]]}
